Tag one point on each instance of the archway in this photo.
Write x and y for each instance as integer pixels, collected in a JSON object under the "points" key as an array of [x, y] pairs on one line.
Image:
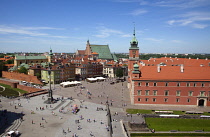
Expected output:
{"points": [[201, 102]]}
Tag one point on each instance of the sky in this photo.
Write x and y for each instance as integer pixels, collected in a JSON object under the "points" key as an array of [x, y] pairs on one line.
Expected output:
{"points": [[161, 26]]}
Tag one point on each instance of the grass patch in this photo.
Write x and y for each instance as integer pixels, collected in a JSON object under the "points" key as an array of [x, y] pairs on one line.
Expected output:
{"points": [[11, 92], [169, 134], [179, 112], [175, 112], [206, 113], [167, 124], [135, 111]]}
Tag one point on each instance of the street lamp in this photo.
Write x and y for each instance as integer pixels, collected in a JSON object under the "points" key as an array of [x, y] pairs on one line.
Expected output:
{"points": [[107, 102]]}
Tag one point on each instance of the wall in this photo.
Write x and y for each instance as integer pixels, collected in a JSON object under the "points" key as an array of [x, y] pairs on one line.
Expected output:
{"points": [[26, 88], [12, 84], [29, 89], [172, 96], [21, 76]]}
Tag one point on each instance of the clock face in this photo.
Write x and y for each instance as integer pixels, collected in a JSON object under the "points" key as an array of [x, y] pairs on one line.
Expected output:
{"points": [[134, 52]]}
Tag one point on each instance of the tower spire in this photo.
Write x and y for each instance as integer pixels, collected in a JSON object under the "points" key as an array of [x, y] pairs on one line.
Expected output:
{"points": [[134, 33]]}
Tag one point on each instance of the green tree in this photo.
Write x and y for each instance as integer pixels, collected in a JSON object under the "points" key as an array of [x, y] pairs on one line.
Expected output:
{"points": [[10, 61], [23, 70], [2, 68], [38, 75], [119, 72]]}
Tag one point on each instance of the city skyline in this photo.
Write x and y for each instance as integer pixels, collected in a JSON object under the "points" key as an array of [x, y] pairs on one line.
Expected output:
{"points": [[65, 26]]}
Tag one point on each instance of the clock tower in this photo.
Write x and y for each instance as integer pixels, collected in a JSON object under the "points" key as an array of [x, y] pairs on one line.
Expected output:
{"points": [[133, 53]]}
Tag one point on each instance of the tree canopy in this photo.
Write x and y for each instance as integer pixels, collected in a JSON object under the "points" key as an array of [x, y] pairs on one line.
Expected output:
{"points": [[119, 72], [22, 70]]}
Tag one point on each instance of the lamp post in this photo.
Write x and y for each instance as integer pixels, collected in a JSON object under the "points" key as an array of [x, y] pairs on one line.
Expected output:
{"points": [[107, 100]]}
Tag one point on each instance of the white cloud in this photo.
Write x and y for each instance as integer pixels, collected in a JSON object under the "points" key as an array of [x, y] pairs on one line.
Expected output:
{"points": [[199, 26], [104, 32], [138, 12], [9, 30], [177, 41], [182, 3], [194, 19], [40, 28], [126, 35], [154, 39], [30, 31]]}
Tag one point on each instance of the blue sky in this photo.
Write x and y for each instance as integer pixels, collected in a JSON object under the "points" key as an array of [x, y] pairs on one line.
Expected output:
{"points": [[162, 26]]}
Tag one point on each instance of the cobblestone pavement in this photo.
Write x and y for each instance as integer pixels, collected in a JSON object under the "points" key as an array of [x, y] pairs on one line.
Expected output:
{"points": [[56, 124], [118, 94]]}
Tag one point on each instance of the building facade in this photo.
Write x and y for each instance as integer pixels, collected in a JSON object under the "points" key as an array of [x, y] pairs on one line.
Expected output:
{"points": [[171, 81]]}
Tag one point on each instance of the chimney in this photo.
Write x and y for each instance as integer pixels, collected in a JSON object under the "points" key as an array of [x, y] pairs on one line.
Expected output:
{"points": [[158, 68], [182, 68]]}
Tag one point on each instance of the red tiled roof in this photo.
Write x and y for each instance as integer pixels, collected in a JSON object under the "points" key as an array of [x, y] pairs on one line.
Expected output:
{"points": [[177, 61], [94, 53], [81, 52], [174, 73]]}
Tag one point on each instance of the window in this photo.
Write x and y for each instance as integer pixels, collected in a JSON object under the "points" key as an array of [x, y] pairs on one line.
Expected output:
{"points": [[146, 99], [178, 84], [139, 84], [155, 84], [202, 85], [154, 99], [147, 84], [188, 84], [139, 92], [154, 92], [188, 100], [165, 99], [178, 93], [190, 93], [146, 92], [139, 99], [166, 93], [166, 84], [177, 100], [202, 93], [194, 84]]}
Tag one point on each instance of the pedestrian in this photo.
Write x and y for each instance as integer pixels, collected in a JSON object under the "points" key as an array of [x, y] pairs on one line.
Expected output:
{"points": [[40, 124], [32, 122], [68, 130], [78, 127]]}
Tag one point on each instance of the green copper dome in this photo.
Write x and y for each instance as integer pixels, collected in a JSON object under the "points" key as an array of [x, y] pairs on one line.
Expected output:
{"points": [[136, 69], [134, 42]]}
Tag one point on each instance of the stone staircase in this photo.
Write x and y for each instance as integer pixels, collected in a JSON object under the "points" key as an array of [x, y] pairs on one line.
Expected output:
{"points": [[13, 127]]}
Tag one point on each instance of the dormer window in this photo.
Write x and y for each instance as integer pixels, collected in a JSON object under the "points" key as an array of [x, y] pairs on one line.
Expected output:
{"points": [[155, 84]]}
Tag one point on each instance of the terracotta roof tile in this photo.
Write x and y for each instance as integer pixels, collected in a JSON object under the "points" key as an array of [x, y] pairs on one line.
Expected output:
{"points": [[174, 73]]}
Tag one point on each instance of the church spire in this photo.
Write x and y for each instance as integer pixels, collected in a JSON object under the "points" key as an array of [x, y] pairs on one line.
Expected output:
{"points": [[134, 33], [134, 41]]}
